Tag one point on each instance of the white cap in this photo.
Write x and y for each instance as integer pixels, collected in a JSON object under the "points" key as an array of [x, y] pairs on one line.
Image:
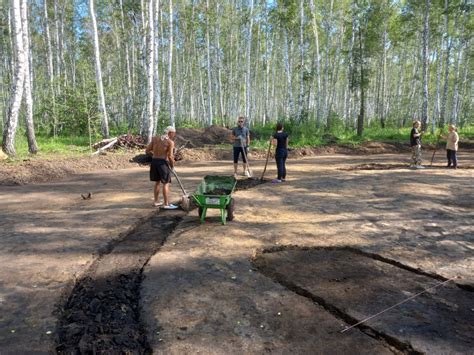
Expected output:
{"points": [[170, 129]]}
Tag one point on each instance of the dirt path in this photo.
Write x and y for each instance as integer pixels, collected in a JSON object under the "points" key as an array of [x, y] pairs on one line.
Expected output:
{"points": [[201, 290]]}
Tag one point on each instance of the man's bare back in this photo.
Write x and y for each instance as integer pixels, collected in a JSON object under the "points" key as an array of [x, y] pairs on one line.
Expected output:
{"points": [[162, 148]]}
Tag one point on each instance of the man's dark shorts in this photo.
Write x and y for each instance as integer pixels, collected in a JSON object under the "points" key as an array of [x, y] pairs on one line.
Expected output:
{"points": [[238, 151], [160, 171]]}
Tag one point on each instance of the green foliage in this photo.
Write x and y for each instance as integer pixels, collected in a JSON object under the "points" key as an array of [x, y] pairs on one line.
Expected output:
{"points": [[305, 135], [50, 146]]}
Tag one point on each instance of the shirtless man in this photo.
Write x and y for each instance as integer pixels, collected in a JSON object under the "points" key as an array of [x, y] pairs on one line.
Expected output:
{"points": [[162, 149]]}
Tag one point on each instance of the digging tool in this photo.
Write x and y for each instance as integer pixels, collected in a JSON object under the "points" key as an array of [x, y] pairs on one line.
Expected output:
{"points": [[266, 161], [436, 146], [185, 199], [242, 143]]}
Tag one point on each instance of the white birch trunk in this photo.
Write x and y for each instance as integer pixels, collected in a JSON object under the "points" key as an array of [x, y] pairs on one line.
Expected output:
{"points": [[424, 112], [57, 42], [30, 129], [208, 61], [448, 45], [98, 73], [302, 55], [48, 42], [148, 122], [455, 100], [157, 82], [170, 65], [247, 73], [437, 100], [11, 123], [219, 63], [286, 56], [384, 64], [318, 59]]}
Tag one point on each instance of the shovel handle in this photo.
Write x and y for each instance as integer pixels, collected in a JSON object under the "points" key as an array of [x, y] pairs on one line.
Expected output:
{"points": [[179, 181], [266, 161]]}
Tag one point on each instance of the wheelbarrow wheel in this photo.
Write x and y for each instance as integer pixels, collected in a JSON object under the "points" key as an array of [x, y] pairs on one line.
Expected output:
{"points": [[200, 210], [230, 210]]}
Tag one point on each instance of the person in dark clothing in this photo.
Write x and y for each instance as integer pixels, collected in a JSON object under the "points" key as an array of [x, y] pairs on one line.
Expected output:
{"points": [[280, 140], [415, 143], [240, 137]]}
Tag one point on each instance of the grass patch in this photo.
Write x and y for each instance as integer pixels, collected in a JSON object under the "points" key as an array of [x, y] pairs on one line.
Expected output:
{"points": [[307, 135], [49, 146]]}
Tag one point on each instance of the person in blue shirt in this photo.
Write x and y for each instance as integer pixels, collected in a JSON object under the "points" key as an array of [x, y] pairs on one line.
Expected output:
{"points": [[280, 140], [241, 140]]}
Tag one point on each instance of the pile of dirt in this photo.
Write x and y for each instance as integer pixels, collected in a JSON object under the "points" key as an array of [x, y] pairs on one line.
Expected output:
{"points": [[362, 149], [38, 169], [198, 137]]}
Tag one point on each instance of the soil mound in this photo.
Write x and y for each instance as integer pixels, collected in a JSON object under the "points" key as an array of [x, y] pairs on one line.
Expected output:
{"points": [[198, 137]]}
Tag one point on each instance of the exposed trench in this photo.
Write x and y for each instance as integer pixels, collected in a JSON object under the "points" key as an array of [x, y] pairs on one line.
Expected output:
{"points": [[100, 312], [259, 263], [385, 166]]}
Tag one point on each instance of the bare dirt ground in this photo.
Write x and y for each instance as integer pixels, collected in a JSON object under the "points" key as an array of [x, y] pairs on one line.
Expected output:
{"points": [[220, 289]]}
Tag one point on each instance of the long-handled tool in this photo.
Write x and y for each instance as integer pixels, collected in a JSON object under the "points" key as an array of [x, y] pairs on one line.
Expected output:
{"points": [[436, 146], [242, 143], [266, 161], [185, 199]]}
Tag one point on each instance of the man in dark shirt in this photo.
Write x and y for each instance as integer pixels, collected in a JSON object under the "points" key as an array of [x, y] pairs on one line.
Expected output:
{"points": [[240, 137], [415, 143]]}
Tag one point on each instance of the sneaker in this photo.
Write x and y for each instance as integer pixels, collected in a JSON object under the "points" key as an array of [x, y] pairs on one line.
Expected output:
{"points": [[170, 207], [158, 204], [419, 167], [247, 174], [282, 180], [235, 175], [276, 181]]}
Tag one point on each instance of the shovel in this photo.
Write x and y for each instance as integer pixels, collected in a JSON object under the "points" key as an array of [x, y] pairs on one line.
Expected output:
{"points": [[266, 161], [242, 143], [185, 199]]}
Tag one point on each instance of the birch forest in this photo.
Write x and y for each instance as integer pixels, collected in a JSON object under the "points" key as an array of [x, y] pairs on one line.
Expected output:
{"points": [[70, 67]]}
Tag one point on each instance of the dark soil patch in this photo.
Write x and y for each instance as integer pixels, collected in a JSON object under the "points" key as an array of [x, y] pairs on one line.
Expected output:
{"points": [[198, 137], [101, 314], [380, 166], [218, 192], [245, 184], [354, 285], [376, 166]]}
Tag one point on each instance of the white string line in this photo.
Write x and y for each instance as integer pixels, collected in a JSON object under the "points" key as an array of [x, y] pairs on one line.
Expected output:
{"points": [[399, 303]]}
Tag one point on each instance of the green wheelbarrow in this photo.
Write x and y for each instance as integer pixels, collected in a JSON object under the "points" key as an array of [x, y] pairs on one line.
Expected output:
{"points": [[215, 191]]}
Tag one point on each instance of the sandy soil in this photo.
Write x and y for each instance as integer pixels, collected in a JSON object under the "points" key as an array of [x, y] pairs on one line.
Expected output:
{"points": [[201, 292]]}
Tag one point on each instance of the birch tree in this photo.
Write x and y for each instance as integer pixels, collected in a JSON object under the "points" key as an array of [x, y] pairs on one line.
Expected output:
{"points": [[98, 72], [247, 72], [30, 129], [424, 113], [208, 62], [11, 123], [170, 65], [149, 120]]}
